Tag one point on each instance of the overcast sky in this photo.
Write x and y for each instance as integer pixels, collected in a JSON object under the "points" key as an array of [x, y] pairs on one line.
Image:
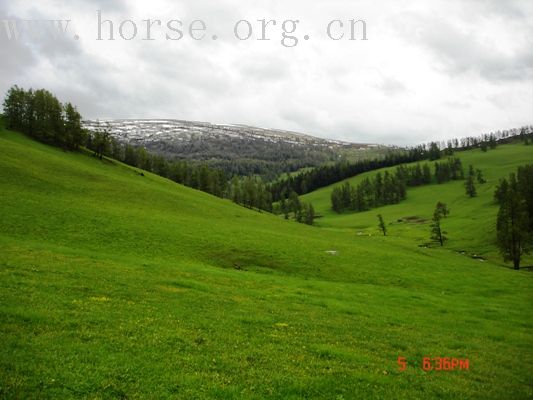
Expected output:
{"points": [[429, 70]]}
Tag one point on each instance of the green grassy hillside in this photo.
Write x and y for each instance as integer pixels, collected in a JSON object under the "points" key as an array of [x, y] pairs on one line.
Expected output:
{"points": [[118, 285], [471, 225]]}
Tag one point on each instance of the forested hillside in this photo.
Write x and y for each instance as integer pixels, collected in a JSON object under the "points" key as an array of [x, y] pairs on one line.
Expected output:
{"points": [[235, 149]]}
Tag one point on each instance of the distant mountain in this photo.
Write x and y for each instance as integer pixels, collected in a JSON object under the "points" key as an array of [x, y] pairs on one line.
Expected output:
{"points": [[238, 149]]}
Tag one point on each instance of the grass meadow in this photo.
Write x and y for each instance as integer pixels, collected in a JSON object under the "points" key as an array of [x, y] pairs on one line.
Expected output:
{"points": [[118, 285]]}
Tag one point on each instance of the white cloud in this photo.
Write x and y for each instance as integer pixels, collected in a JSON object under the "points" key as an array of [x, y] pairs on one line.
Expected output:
{"points": [[429, 69]]}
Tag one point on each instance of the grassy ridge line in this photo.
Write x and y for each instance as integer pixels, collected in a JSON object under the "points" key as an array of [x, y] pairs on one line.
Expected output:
{"points": [[471, 225], [111, 286]]}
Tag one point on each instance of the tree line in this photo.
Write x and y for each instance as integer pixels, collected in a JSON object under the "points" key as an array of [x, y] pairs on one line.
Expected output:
{"points": [[303, 212], [251, 192], [41, 115], [326, 175], [390, 188], [383, 189]]}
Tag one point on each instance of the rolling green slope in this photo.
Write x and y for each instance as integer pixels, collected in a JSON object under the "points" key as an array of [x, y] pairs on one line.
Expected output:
{"points": [[115, 284], [471, 225]]}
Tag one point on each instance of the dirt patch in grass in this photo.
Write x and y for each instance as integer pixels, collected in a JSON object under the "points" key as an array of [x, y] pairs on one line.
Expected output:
{"points": [[414, 220]]}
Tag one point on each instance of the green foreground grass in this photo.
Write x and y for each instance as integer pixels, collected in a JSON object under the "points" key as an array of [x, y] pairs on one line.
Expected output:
{"points": [[117, 285]]}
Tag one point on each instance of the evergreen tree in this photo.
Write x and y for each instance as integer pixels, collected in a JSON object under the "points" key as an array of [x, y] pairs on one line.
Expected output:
{"points": [[434, 151], [309, 217], [501, 191], [294, 203], [235, 191], [381, 225], [336, 200], [130, 158], [49, 123], [250, 192], [378, 190], [492, 141], [479, 175], [118, 150], [28, 120], [513, 235], [441, 173], [436, 230], [265, 198], [346, 195], [426, 174], [457, 168], [299, 213], [161, 167], [144, 161], [360, 199], [74, 134], [417, 175], [449, 148], [525, 187], [100, 143], [470, 187], [284, 208], [442, 210], [222, 186], [14, 107]]}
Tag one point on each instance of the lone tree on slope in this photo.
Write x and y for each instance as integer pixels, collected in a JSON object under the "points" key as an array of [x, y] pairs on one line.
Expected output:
{"points": [[469, 184], [436, 230], [382, 225], [442, 209], [512, 233], [480, 179]]}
